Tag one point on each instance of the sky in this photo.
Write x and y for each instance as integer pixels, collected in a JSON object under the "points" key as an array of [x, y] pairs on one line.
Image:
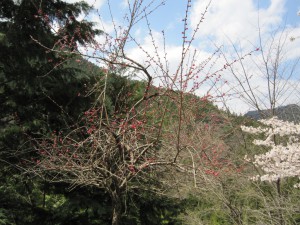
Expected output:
{"points": [[236, 27]]}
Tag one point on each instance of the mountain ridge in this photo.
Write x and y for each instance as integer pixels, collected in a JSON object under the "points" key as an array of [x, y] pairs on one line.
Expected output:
{"points": [[289, 112]]}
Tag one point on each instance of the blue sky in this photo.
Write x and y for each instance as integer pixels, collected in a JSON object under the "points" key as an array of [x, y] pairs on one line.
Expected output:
{"points": [[232, 24], [292, 8], [235, 20], [168, 16]]}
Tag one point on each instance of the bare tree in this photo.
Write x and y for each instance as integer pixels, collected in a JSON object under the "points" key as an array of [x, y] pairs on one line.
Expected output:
{"points": [[272, 79], [270, 82], [130, 147], [118, 152]]}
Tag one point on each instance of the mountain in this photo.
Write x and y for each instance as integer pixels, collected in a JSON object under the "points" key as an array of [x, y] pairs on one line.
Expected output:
{"points": [[287, 113]]}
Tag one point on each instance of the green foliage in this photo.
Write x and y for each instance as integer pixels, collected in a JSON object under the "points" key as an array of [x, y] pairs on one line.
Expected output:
{"points": [[122, 93], [150, 208], [37, 94], [31, 201]]}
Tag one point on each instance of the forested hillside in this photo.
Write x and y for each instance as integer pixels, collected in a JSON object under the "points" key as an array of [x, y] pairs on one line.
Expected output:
{"points": [[82, 141]]}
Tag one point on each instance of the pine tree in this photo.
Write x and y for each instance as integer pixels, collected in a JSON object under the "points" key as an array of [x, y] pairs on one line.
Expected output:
{"points": [[39, 93]]}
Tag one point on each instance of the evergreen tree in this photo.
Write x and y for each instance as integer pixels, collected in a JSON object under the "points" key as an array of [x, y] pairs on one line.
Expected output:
{"points": [[40, 92]]}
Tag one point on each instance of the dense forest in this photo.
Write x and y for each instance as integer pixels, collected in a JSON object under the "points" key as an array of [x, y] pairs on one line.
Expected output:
{"points": [[82, 143]]}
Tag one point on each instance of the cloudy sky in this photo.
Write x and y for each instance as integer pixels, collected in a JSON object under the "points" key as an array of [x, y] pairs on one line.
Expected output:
{"points": [[238, 27]]}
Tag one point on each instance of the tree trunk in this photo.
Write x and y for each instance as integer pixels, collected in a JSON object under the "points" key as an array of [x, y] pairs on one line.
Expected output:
{"points": [[116, 200], [278, 184]]}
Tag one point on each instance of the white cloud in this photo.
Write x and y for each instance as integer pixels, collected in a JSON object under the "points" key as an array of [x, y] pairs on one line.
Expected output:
{"points": [[106, 26], [253, 77], [235, 20], [293, 45]]}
